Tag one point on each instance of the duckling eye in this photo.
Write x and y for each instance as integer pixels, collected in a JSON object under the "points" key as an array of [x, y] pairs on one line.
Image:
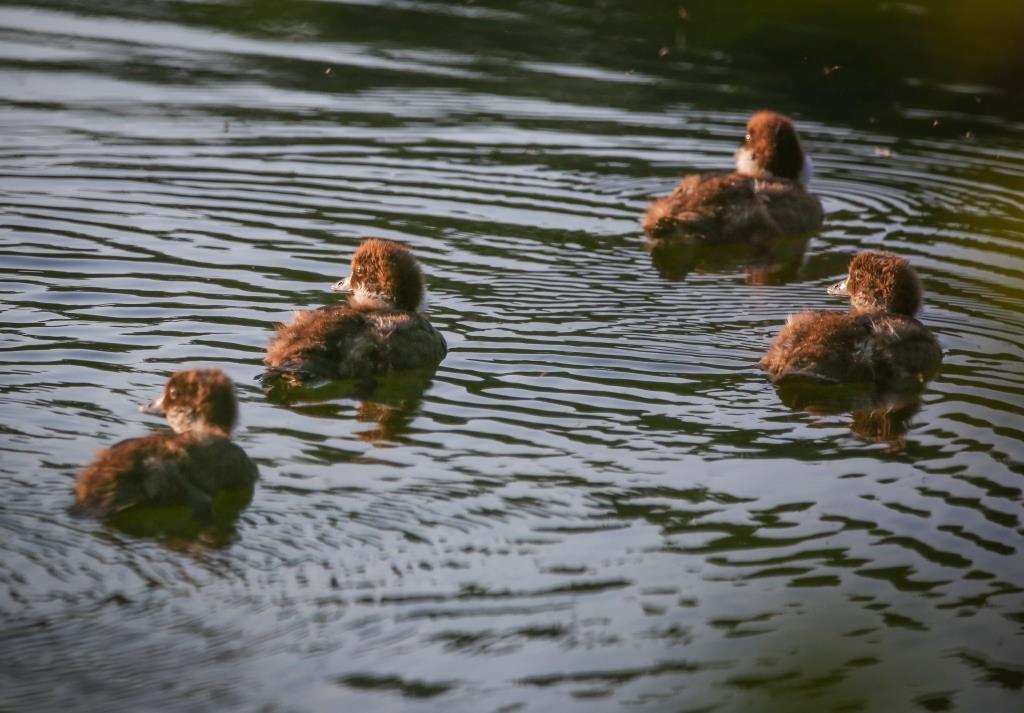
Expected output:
{"points": [[172, 392], [747, 137]]}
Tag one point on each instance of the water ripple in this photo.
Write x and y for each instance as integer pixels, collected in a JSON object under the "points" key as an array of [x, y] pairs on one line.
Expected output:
{"points": [[598, 499]]}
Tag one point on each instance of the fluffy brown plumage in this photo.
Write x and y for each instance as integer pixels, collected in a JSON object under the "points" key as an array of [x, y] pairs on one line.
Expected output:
{"points": [[379, 331], [762, 199], [189, 466], [879, 341]]}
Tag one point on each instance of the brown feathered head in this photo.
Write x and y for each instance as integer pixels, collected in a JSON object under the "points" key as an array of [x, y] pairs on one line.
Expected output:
{"points": [[881, 282], [197, 400], [772, 148], [384, 275]]}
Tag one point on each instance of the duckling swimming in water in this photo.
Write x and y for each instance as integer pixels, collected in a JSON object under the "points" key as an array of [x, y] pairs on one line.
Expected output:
{"points": [[189, 466], [878, 341], [380, 330], [764, 197]]}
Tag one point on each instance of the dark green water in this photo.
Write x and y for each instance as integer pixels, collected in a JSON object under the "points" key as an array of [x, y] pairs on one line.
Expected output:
{"points": [[599, 504]]}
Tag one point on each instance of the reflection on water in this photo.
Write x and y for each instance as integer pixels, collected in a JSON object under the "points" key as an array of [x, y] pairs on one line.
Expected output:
{"points": [[598, 502], [771, 262], [875, 414], [388, 401], [182, 528]]}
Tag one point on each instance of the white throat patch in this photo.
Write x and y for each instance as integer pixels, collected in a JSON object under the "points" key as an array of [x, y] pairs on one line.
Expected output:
{"points": [[182, 420], [746, 164], [364, 299]]}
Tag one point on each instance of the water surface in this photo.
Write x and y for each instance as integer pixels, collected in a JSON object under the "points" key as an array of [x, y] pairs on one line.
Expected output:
{"points": [[598, 503]]}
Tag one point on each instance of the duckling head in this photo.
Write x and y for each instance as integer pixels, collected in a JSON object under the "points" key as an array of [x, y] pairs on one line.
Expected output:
{"points": [[879, 281], [772, 148], [197, 400], [385, 275]]}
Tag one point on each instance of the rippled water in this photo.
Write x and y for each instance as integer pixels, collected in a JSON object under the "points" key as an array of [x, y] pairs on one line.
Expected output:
{"points": [[599, 503]]}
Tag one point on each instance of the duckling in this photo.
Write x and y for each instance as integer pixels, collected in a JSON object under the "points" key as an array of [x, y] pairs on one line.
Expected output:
{"points": [[188, 466], [764, 197], [878, 341], [380, 330]]}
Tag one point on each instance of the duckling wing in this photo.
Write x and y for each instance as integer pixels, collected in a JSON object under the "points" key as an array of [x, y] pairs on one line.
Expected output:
{"points": [[147, 470], [828, 347], [790, 208], [216, 464], [408, 341], [906, 352], [221, 478]]}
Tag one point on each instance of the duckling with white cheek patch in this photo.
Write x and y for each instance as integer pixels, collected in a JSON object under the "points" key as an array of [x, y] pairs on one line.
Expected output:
{"points": [[878, 341], [765, 197], [381, 329], [189, 466]]}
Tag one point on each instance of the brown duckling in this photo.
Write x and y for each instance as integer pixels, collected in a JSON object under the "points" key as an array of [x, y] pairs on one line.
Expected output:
{"points": [[186, 467], [764, 197], [878, 341], [380, 330]]}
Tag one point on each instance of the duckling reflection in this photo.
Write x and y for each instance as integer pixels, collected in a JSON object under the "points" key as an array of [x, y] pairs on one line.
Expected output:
{"points": [[391, 420], [771, 262], [879, 416], [184, 482], [392, 406], [390, 402], [181, 527]]}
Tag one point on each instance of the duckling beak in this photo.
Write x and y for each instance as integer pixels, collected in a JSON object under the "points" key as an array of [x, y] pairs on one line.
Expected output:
{"points": [[838, 289], [154, 407], [343, 286]]}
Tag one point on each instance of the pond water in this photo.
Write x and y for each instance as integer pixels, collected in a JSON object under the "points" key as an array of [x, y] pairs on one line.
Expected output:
{"points": [[598, 503]]}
